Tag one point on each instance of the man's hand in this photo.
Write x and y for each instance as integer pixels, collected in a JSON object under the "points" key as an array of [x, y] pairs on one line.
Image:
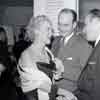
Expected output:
{"points": [[65, 95]]}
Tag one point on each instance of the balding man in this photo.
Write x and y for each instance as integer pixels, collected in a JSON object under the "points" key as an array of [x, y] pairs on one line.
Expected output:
{"points": [[71, 48]]}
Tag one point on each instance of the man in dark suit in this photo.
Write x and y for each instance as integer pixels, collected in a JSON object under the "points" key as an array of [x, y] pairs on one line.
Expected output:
{"points": [[71, 48], [89, 81]]}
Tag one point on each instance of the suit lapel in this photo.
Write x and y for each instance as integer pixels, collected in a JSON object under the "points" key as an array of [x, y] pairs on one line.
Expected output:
{"points": [[91, 59], [71, 41], [57, 46], [96, 48]]}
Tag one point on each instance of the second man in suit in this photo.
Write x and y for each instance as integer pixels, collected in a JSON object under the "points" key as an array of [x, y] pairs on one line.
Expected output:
{"points": [[89, 81]]}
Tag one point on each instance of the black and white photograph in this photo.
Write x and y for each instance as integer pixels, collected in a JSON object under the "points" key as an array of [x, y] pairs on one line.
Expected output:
{"points": [[49, 49]]}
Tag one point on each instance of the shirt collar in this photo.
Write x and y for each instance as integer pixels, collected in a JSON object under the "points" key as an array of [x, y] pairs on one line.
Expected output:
{"points": [[97, 40], [67, 38]]}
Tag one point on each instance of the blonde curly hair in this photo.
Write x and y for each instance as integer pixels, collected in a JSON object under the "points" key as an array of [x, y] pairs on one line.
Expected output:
{"points": [[35, 24]]}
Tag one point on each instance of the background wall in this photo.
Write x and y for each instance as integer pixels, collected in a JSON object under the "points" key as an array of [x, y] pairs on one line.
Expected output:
{"points": [[86, 5], [15, 12], [15, 15], [23, 8]]}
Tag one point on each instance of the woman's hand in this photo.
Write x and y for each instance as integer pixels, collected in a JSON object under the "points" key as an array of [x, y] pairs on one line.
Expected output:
{"points": [[60, 69]]}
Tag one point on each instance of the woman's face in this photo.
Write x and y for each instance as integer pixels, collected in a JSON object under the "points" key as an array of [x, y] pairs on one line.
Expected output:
{"points": [[46, 32], [2, 36]]}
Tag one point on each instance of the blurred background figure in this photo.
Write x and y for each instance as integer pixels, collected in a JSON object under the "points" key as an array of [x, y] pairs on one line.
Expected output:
{"points": [[89, 80], [3, 37], [21, 44], [7, 87]]}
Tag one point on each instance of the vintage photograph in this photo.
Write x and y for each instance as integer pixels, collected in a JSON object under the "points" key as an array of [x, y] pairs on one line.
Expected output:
{"points": [[49, 49]]}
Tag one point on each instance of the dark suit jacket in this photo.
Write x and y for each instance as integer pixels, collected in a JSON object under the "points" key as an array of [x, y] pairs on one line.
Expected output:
{"points": [[89, 81], [74, 56]]}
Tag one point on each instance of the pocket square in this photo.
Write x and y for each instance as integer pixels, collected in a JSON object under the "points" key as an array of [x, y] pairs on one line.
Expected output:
{"points": [[92, 62], [69, 58]]}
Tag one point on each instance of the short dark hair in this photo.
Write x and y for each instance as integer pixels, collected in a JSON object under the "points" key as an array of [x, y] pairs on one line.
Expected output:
{"points": [[95, 13], [66, 10], [2, 30]]}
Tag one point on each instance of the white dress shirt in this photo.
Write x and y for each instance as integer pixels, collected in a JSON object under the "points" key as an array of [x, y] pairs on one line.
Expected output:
{"points": [[67, 38], [97, 40]]}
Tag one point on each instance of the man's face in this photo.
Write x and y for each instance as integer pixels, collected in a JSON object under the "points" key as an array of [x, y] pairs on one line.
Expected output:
{"points": [[92, 27], [66, 24]]}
